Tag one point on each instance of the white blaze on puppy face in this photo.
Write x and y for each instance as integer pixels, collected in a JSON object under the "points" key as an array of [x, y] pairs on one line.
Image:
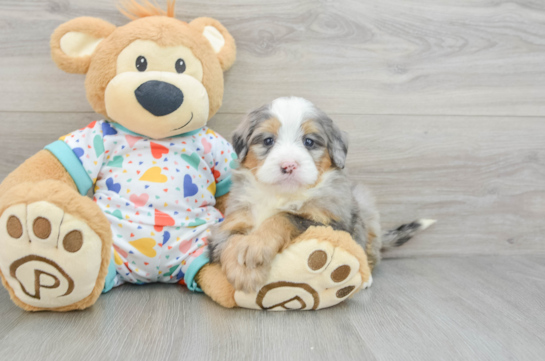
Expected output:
{"points": [[289, 152]]}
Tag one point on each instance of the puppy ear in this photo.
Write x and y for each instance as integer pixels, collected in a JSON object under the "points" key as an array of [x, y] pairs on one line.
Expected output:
{"points": [[337, 144], [219, 38], [339, 147], [242, 135], [240, 144], [74, 42]]}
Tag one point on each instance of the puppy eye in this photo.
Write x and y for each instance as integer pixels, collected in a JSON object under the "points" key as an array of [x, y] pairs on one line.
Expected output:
{"points": [[141, 63], [268, 142], [308, 142], [180, 65]]}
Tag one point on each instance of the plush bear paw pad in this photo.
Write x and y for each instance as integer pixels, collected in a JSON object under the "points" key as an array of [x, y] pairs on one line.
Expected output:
{"points": [[49, 258], [308, 275]]}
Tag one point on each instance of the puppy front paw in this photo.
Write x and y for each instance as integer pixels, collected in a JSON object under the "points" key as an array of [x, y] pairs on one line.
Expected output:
{"points": [[246, 263], [253, 252], [244, 279]]}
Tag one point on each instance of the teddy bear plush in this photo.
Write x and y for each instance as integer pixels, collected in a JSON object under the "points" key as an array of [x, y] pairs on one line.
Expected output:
{"points": [[158, 175]]}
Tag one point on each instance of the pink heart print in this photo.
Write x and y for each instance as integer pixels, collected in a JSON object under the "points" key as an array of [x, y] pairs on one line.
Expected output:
{"points": [[131, 139], [185, 246], [207, 146], [139, 200]]}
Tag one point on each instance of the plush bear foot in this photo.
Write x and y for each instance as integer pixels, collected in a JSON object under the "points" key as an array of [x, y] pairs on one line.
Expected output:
{"points": [[50, 259], [320, 269]]}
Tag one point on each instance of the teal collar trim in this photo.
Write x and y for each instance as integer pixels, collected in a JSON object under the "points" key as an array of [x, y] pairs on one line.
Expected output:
{"points": [[119, 126]]}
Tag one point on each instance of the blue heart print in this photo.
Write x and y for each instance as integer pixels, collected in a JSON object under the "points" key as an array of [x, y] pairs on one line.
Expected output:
{"points": [[114, 187], [190, 188], [180, 275], [166, 237], [107, 129], [79, 152]]}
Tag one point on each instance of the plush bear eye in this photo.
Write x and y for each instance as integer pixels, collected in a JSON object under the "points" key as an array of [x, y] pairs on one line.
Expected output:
{"points": [[180, 65], [268, 142], [141, 63], [308, 142]]}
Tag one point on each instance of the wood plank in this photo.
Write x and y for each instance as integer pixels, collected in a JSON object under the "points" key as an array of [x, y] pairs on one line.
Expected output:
{"points": [[350, 57], [482, 178], [485, 308]]}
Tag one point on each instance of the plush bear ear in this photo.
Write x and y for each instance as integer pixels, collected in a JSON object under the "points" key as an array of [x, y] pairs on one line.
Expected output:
{"points": [[222, 42], [73, 43]]}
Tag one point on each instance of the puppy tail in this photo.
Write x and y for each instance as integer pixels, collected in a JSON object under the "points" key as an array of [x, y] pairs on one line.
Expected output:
{"points": [[371, 219], [399, 236]]}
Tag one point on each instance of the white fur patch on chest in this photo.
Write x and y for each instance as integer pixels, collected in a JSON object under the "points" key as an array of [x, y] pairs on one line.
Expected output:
{"points": [[265, 200], [266, 203]]}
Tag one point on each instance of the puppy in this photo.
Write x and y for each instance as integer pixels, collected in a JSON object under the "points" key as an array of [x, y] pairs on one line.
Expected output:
{"points": [[290, 178]]}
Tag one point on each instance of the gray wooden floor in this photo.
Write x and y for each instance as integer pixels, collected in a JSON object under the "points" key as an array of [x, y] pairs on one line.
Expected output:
{"points": [[471, 308], [444, 101]]}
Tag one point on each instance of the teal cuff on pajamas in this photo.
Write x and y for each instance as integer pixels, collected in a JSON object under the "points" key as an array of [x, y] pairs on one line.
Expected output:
{"points": [[192, 271], [109, 283], [72, 164], [223, 187]]}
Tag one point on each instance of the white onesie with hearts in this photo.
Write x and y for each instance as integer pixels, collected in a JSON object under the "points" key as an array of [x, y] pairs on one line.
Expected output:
{"points": [[159, 195]]}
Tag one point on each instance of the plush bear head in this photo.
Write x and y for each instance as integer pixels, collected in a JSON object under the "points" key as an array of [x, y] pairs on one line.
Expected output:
{"points": [[157, 76]]}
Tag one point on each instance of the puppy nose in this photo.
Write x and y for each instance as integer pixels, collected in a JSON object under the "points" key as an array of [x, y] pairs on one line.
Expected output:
{"points": [[159, 98], [288, 167]]}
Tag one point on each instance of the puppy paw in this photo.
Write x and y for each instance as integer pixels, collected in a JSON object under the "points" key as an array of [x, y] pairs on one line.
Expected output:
{"points": [[246, 262], [254, 253]]}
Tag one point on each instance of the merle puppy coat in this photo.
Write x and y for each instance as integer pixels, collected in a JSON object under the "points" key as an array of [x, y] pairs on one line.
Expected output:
{"points": [[292, 177]]}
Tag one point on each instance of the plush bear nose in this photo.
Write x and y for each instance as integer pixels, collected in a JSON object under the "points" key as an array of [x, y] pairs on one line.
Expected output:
{"points": [[159, 98]]}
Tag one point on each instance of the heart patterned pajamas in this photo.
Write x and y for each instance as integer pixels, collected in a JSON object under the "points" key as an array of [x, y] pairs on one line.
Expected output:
{"points": [[159, 196]]}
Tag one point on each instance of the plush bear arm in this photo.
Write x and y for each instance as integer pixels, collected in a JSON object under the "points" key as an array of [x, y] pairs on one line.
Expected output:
{"points": [[41, 166]]}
